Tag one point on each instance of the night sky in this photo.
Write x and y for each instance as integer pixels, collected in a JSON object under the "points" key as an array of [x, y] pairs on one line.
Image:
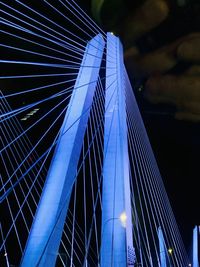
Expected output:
{"points": [[176, 147]]}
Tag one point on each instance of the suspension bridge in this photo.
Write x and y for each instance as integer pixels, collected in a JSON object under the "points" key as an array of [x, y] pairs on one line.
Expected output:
{"points": [[79, 182]]}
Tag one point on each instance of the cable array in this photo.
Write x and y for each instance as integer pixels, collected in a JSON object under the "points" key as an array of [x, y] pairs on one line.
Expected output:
{"points": [[41, 57], [150, 203], [42, 47]]}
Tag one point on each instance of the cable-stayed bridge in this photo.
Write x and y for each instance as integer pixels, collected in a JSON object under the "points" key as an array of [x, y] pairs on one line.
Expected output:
{"points": [[79, 182]]}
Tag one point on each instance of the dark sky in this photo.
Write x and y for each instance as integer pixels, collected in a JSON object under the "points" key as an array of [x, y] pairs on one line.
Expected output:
{"points": [[176, 147]]}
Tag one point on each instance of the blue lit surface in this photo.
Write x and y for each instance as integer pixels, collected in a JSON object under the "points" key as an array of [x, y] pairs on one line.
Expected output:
{"points": [[196, 232], [44, 239], [163, 262], [116, 235]]}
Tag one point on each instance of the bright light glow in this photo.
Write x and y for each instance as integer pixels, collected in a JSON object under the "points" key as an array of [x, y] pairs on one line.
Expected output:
{"points": [[189, 264], [32, 112], [5, 254], [123, 218], [170, 250]]}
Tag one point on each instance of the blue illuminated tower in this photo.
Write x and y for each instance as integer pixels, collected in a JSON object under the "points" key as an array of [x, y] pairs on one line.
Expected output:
{"points": [[163, 261], [116, 239], [195, 256], [44, 239]]}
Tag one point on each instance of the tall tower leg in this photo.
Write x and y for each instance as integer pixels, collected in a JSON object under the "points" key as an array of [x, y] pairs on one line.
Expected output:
{"points": [[116, 238], [163, 261], [44, 239], [195, 249]]}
